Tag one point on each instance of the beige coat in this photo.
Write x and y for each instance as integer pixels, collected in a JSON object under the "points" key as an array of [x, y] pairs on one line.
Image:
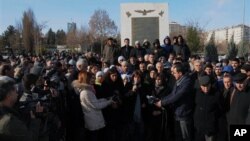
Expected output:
{"points": [[91, 106]]}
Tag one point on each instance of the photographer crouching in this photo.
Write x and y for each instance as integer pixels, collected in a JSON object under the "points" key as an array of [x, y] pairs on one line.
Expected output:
{"points": [[11, 127]]}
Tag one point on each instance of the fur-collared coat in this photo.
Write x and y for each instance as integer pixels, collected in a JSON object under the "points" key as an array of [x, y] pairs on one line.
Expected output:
{"points": [[91, 106]]}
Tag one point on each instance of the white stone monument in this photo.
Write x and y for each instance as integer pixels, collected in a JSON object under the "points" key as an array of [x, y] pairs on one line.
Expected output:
{"points": [[141, 21]]}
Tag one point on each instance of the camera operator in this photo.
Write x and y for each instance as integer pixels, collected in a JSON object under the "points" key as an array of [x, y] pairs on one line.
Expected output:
{"points": [[30, 90], [11, 127], [52, 95], [32, 95], [54, 87]]}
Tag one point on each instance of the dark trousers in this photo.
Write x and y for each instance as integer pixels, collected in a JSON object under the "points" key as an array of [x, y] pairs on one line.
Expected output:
{"points": [[203, 137], [97, 135], [184, 130], [114, 133], [154, 130], [133, 132], [223, 129]]}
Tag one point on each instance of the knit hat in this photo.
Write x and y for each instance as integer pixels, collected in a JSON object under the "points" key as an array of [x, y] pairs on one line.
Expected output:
{"points": [[137, 42], [204, 80], [99, 73], [106, 70], [121, 58], [145, 40]]}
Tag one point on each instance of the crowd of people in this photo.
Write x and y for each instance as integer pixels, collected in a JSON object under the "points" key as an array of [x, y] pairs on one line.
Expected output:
{"points": [[140, 93]]}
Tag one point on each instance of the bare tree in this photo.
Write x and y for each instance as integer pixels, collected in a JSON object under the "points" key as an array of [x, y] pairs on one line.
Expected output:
{"points": [[38, 36], [28, 30], [101, 26], [19, 29], [72, 39], [83, 37], [32, 32]]}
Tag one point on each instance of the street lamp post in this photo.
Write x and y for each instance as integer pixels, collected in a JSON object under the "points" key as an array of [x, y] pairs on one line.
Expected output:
{"points": [[20, 42], [243, 31], [243, 20]]}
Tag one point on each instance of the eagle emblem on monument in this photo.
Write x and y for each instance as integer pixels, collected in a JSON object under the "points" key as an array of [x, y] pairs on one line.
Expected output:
{"points": [[144, 11]]}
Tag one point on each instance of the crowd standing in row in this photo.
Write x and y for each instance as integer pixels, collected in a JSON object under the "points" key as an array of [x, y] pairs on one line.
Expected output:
{"points": [[139, 93]]}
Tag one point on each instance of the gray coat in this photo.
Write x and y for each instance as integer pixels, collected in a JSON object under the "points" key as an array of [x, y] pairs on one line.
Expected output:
{"points": [[110, 54]]}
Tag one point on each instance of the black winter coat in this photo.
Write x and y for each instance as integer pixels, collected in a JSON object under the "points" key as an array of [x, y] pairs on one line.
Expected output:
{"points": [[113, 115], [207, 111], [130, 101], [240, 108], [136, 52], [125, 51]]}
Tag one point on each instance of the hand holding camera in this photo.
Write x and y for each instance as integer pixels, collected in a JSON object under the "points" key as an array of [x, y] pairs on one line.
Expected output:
{"points": [[115, 101], [54, 92], [152, 99], [158, 104]]}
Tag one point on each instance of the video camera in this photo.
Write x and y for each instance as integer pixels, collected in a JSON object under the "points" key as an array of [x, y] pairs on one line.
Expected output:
{"points": [[51, 84], [30, 105], [152, 99], [116, 97]]}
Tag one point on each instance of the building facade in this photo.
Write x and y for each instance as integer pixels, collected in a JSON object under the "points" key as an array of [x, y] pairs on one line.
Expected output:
{"points": [[71, 26], [176, 29], [225, 34]]}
